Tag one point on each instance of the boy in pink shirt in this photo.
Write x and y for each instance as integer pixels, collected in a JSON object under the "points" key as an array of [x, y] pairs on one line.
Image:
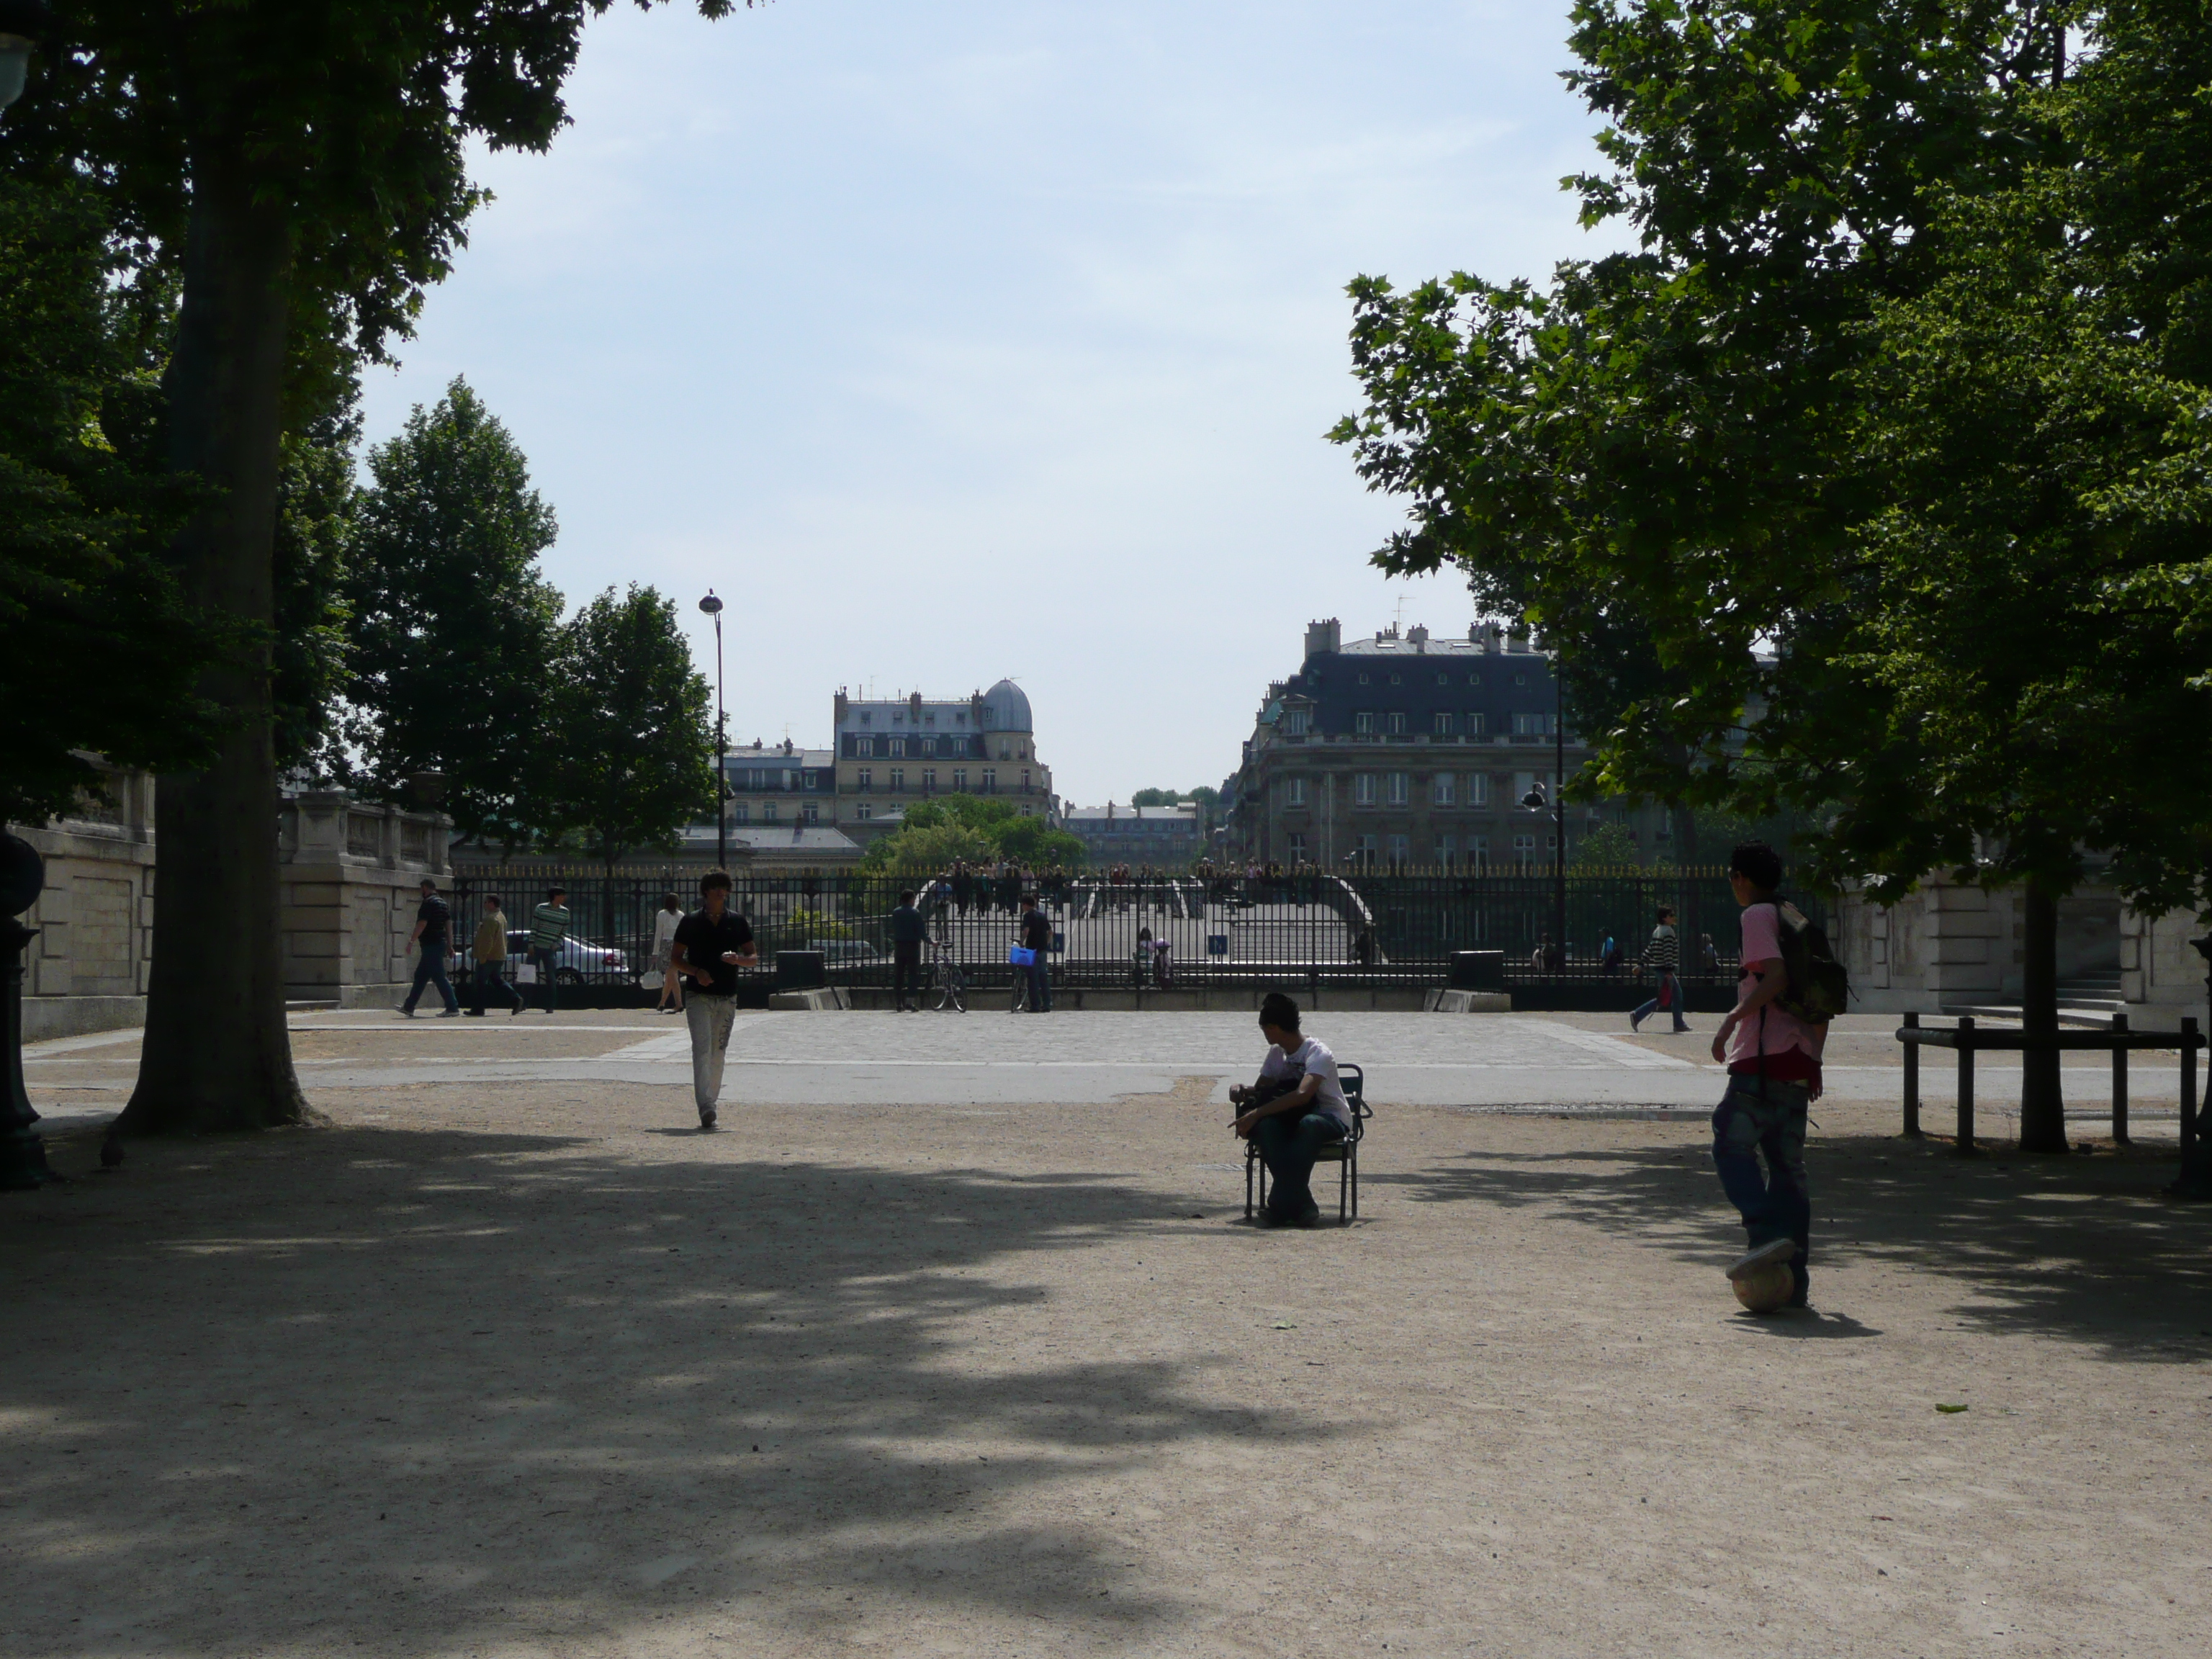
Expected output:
{"points": [[1773, 1060]]}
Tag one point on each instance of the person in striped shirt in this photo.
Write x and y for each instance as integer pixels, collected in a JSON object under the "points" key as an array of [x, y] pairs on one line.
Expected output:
{"points": [[1663, 956], [548, 932]]}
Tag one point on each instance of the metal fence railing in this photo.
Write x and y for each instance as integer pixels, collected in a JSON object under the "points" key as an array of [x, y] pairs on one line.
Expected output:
{"points": [[1182, 930]]}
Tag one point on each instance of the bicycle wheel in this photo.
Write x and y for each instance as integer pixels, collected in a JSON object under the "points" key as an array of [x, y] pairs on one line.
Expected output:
{"points": [[949, 991]]}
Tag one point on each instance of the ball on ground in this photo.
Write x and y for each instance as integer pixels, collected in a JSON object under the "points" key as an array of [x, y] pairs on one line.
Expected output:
{"points": [[1765, 1289]]}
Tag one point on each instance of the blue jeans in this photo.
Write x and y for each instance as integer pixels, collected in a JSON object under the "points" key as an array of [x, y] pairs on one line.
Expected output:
{"points": [[1671, 988], [490, 980], [1287, 1146], [543, 962], [1040, 986], [1764, 1119], [431, 968]]}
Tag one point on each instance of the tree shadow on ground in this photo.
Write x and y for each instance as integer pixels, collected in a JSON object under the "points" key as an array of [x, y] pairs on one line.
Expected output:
{"points": [[2083, 1249], [485, 1388]]}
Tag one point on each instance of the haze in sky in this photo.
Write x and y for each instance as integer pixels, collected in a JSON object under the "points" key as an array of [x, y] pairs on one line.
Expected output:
{"points": [[954, 342]]}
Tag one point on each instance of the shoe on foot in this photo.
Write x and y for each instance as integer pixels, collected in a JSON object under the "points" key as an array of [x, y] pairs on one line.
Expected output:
{"points": [[1310, 1218], [1679, 1030], [706, 1117], [476, 1013], [450, 1013], [408, 1012], [1778, 1249], [1636, 1022]]}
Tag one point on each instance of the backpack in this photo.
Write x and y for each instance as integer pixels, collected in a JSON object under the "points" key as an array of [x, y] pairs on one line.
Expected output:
{"points": [[1819, 986]]}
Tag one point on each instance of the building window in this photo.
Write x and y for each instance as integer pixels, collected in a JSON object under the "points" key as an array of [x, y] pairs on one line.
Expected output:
{"points": [[1527, 726], [767, 811], [1363, 789], [1445, 851], [1365, 851], [867, 779], [1401, 852], [896, 749], [864, 748], [1520, 680], [812, 779], [1444, 679], [1477, 725], [1297, 722], [866, 717], [1524, 850], [1298, 791], [960, 778], [898, 780], [1440, 725], [1363, 725], [1477, 789], [1396, 724], [863, 811], [1441, 790], [1396, 791], [740, 813], [928, 779], [990, 780], [812, 812], [1298, 849], [1363, 676]]}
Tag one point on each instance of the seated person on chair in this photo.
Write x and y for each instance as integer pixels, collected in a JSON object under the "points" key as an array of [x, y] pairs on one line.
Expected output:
{"points": [[1297, 1108]]}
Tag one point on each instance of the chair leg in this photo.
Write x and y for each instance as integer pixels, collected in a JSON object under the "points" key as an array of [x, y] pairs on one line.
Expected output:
{"points": [[1248, 1186]]}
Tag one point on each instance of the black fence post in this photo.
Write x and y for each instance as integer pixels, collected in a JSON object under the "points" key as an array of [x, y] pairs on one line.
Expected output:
{"points": [[1965, 1085], [2188, 1089], [2120, 1080], [1912, 1081]]}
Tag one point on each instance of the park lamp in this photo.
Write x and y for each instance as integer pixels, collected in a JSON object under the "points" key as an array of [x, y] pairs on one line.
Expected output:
{"points": [[1534, 800], [23, 25]]}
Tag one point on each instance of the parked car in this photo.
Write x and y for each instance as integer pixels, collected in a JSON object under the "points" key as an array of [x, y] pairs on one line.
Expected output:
{"points": [[579, 959]]}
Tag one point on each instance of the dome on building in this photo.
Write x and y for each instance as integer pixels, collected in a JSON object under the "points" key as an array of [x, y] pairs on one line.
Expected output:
{"points": [[1006, 708]]}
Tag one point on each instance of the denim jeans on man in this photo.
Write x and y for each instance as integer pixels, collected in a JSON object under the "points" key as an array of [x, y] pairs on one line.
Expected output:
{"points": [[545, 962], [1288, 1145], [1671, 989], [490, 981], [430, 969], [1040, 986], [1764, 1119]]}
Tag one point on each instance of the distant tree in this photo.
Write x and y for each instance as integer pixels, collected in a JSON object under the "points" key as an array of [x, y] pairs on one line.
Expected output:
{"points": [[1035, 843], [1155, 797], [455, 632], [315, 504], [926, 849], [975, 828], [1608, 846], [629, 749]]}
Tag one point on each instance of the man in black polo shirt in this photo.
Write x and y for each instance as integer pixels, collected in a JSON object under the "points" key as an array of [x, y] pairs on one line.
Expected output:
{"points": [[907, 935], [434, 926], [711, 944]]}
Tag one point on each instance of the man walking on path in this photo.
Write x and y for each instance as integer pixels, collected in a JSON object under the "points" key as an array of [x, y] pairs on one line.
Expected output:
{"points": [[711, 944], [1036, 940], [1297, 1108], [548, 930], [490, 951], [1664, 954], [1774, 1076], [906, 934], [433, 928]]}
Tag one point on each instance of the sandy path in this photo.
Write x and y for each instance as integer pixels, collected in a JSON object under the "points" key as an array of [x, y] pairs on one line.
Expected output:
{"points": [[535, 1370]]}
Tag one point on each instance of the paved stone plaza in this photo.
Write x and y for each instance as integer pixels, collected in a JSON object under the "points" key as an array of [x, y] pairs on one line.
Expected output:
{"points": [[953, 1341]]}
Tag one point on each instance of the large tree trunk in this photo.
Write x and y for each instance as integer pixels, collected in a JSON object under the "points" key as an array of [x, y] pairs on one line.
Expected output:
{"points": [[217, 1055], [2042, 1102]]}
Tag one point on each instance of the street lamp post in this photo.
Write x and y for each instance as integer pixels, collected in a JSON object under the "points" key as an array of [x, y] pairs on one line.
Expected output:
{"points": [[23, 25], [712, 607]]}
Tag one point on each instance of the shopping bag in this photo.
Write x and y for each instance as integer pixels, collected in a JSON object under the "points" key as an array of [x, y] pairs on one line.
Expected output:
{"points": [[1020, 958], [1666, 990]]}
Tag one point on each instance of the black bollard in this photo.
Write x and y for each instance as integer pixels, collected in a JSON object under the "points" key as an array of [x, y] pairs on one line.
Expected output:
{"points": [[22, 1153]]}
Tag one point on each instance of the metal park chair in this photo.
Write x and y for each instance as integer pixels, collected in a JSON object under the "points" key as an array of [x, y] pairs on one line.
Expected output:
{"points": [[1344, 1153]]}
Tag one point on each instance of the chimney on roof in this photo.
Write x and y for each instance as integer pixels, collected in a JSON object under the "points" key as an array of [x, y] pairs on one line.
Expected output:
{"points": [[1419, 636], [1516, 640], [914, 707], [1324, 637], [844, 705]]}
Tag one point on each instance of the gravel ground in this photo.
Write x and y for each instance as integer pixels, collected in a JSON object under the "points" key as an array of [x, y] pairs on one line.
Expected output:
{"points": [[534, 1368]]}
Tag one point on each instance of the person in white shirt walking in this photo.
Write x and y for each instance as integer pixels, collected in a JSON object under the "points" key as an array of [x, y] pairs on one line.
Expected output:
{"points": [[664, 961]]}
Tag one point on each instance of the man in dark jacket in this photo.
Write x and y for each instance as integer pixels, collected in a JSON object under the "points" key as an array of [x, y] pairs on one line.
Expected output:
{"points": [[434, 931], [1037, 939], [906, 934]]}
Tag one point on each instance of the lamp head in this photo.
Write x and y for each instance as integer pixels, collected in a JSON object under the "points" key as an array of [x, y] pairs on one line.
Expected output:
{"points": [[710, 605], [1534, 800]]}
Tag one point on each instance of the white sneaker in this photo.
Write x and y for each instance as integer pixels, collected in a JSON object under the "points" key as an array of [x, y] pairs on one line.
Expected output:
{"points": [[1780, 1249]]}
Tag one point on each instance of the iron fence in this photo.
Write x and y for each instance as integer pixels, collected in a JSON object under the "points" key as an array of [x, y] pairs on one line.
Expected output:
{"points": [[1388, 929]]}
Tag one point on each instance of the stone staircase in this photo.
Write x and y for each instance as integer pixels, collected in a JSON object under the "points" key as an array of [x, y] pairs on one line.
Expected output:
{"points": [[2088, 1000]]}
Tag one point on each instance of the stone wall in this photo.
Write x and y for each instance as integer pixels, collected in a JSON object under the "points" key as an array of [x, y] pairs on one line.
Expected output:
{"points": [[1945, 943], [2157, 968], [351, 874]]}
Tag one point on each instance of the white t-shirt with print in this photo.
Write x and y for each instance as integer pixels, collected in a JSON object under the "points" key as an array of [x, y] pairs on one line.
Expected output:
{"points": [[1309, 1059]]}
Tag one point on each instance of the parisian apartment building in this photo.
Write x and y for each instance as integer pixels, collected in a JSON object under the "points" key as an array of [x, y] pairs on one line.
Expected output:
{"points": [[1411, 752], [1164, 838]]}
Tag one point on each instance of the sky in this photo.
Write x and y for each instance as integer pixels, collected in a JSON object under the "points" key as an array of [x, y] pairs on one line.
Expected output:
{"points": [[949, 344]]}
